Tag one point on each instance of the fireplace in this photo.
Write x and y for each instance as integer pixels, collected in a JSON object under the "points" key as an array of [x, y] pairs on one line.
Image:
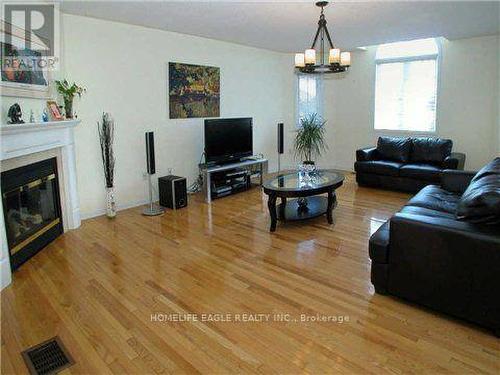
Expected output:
{"points": [[31, 209]]}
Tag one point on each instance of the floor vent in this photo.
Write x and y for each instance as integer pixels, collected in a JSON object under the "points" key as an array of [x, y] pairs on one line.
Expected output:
{"points": [[49, 357]]}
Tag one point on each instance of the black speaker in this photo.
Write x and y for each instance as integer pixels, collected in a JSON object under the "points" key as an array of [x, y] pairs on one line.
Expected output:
{"points": [[150, 153], [281, 142], [173, 191]]}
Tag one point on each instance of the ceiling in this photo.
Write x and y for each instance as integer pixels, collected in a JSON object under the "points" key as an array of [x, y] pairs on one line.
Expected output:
{"points": [[289, 26]]}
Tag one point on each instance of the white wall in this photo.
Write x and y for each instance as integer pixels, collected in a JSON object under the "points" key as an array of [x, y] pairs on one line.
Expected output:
{"points": [[124, 69], [467, 102]]}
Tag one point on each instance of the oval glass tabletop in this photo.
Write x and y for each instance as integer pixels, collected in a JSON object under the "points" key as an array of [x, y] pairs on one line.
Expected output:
{"points": [[299, 181]]}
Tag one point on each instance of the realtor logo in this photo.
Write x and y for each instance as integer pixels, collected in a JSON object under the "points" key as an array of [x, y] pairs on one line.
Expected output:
{"points": [[30, 35]]}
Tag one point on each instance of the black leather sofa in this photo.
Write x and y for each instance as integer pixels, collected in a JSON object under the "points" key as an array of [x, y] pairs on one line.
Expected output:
{"points": [[405, 164], [442, 249]]}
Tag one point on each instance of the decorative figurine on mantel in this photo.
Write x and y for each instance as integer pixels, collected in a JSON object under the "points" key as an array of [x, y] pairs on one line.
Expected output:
{"points": [[45, 115], [15, 114]]}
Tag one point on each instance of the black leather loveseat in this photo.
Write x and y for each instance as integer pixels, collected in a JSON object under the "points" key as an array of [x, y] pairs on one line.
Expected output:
{"points": [[406, 164], [442, 250]]}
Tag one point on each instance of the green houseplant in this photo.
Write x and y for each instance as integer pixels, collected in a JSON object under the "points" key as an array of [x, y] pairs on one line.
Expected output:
{"points": [[68, 92], [310, 138]]}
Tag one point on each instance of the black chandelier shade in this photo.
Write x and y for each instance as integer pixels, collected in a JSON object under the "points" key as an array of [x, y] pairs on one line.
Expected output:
{"points": [[330, 60]]}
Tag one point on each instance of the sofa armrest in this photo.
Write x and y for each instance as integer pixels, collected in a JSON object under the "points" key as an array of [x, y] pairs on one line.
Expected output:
{"points": [[425, 239], [455, 161], [448, 265], [366, 154], [456, 181], [444, 226]]}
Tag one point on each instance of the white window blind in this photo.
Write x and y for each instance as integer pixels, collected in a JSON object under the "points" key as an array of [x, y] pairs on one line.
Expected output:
{"points": [[406, 86], [309, 95]]}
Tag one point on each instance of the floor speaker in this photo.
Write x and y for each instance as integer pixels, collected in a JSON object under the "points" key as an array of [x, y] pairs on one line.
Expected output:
{"points": [[150, 153], [152, 209], [281, 143]]}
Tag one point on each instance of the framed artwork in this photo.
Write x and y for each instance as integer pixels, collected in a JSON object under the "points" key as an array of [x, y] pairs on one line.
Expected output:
{"points": [[54, 113], [194, 91], [21, 74]]}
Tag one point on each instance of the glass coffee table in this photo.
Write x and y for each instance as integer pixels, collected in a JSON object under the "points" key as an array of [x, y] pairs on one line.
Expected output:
{"points": [[306, 190]]}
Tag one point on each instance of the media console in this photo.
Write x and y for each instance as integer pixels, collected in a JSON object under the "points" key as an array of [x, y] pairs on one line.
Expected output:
{"points": [[225, 179]]}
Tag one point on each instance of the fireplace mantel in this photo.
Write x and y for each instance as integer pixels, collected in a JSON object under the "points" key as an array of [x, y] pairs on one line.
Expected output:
{"points": [[22, 140], [37, 126]]}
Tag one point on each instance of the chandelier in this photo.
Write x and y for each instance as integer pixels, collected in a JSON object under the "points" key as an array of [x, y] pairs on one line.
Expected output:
{"points": [[333, 61]]}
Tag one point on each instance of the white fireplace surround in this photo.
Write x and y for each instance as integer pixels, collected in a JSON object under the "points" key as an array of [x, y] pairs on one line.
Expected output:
{"points": [[28, 143]]}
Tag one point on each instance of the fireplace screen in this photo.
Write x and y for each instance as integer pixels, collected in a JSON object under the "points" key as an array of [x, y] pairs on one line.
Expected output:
{"points": [[31, 209]]}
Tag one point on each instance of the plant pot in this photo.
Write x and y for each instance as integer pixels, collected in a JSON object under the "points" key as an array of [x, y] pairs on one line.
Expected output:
{"points": [[110, 202], [68, 108], [308, 167]]}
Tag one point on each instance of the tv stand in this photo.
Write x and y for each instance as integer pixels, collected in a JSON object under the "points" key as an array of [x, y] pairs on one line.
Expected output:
{"points": [[209, 172]]}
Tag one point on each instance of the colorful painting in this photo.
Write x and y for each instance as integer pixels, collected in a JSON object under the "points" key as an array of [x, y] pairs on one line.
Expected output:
{"points": [[20, 75], [194, 91]]}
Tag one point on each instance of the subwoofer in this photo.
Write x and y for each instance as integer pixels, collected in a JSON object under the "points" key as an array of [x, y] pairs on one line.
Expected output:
{"points": [[173, 191]]}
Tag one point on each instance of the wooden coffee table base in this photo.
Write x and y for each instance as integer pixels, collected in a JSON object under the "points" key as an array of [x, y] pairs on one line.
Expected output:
{"points": [[298, 187], [291, 210]]}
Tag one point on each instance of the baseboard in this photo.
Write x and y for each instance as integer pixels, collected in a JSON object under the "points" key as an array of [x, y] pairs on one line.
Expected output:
{"points": [[120, 207], [5, 273]]}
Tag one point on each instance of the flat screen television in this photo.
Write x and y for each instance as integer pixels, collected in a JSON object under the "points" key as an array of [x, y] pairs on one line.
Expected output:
{"points": [[228, 140]]}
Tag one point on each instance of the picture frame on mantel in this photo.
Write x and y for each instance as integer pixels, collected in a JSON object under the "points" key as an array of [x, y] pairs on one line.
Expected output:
{"points": [[17, 79], [54, 113]]}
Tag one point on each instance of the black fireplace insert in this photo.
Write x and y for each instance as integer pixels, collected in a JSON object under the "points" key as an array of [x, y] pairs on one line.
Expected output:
{"points": [[31, 208]]}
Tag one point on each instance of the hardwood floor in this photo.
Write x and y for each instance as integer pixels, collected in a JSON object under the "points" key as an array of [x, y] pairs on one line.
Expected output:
{"points": [[98, 287]]}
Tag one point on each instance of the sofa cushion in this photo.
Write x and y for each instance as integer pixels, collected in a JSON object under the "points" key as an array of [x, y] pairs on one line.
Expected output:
{"points": [[493, 167], [414, 210], [365, 154], [430, 150], [435, 198], [381, 167], [480, 202], [378, 247], [394, 148], [421, 172]]}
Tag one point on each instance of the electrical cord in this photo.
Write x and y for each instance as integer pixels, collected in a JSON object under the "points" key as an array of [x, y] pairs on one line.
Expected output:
{"points": [[196, 186]]}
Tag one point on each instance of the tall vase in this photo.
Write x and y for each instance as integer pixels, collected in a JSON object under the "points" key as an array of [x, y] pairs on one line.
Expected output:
{"points": [[110, 202], [68, 108]]}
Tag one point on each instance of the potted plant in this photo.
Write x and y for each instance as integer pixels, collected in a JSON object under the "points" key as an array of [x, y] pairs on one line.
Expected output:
{"points": [[68, 93], [310, 139], [106, 129]]}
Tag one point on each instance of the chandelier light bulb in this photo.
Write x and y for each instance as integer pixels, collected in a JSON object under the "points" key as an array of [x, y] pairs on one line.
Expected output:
{"points": [[300, 61], [334, 56], [345, 58], [310, 56]]}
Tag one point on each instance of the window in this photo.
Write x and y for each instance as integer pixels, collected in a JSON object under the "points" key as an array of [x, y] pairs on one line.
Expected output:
{"points": [[309, 95], [406, 85]]}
